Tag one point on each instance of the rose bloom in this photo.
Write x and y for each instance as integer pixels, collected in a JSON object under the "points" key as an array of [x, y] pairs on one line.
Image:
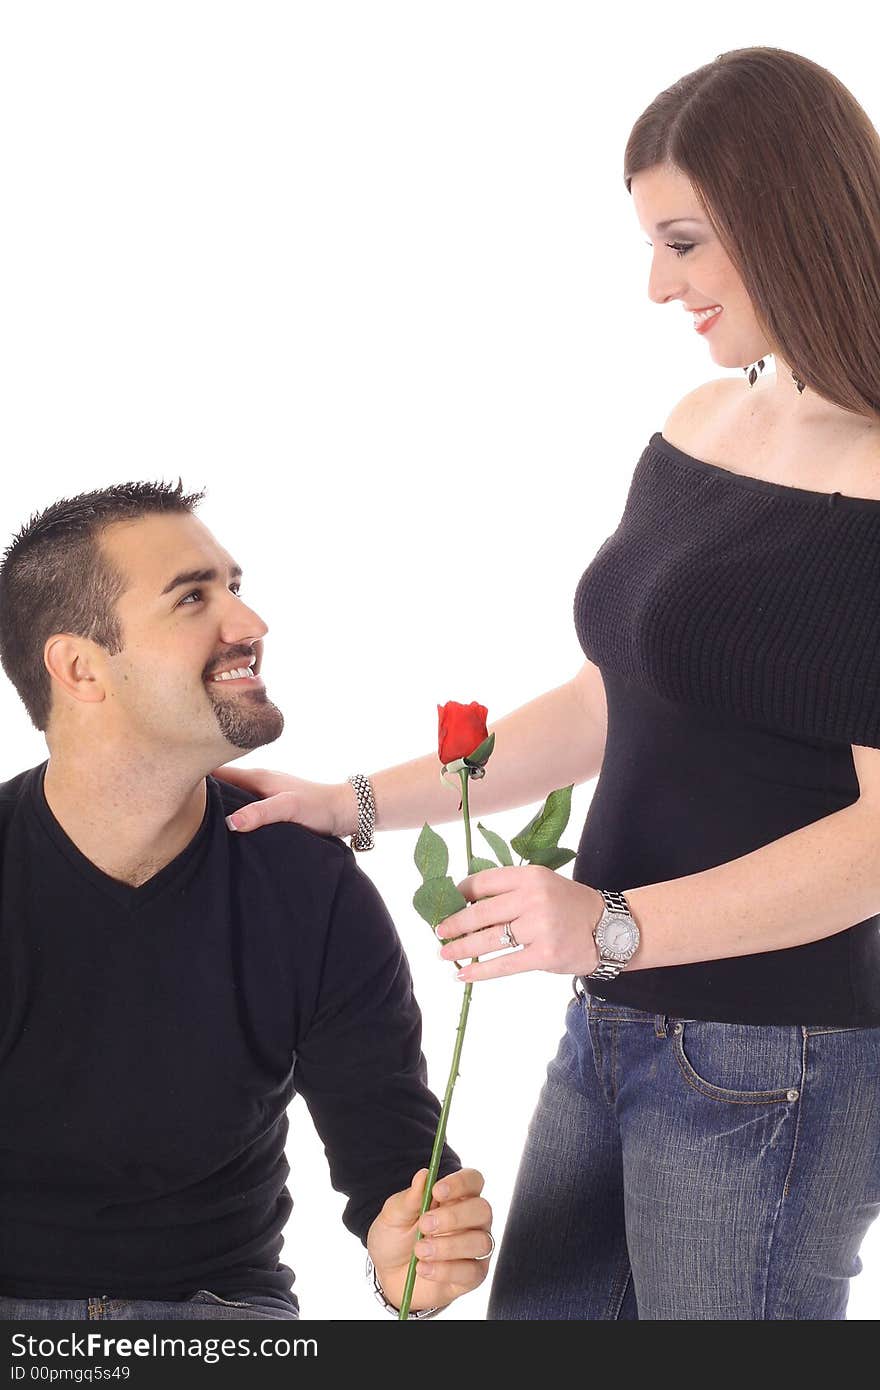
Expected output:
{"points": [[461, 730]]}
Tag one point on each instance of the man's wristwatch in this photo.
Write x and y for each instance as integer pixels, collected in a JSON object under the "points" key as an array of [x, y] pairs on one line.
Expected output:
{"points": [[616, 936], [412, 1315]]}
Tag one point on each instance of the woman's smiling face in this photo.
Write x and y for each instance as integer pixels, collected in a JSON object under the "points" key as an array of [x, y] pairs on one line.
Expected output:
{"points": [[690, 264]]}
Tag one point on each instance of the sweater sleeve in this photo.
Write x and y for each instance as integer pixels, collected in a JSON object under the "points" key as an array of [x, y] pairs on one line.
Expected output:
{"points": [[359, 1065]]}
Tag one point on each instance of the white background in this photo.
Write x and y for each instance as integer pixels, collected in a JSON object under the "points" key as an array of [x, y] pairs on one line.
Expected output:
{"points": [[369, 272]]}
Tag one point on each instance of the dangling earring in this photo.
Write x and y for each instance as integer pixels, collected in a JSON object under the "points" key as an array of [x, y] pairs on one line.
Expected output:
{"points": [[801, 385], [751, 373]]}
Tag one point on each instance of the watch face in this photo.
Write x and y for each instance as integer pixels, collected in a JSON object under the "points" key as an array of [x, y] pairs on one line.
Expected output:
{"points": [[618, 937]]}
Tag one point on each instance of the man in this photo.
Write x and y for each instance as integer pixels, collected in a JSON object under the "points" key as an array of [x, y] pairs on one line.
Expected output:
{"points": [[167, 987]]}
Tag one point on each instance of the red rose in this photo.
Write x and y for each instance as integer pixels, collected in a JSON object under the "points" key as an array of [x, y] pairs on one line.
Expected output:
{"points": [[462, 728]]}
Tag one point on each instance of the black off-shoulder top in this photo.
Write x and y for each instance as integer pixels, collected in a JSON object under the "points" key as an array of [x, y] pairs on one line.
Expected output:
{"points": [[736, 623]]}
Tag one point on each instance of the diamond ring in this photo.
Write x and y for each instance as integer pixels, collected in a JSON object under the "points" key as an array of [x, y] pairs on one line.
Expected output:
{"points": [[507, 936]]}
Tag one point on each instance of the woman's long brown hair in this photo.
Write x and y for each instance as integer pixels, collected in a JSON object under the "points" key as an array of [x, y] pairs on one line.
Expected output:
{"points": [[786, 166]]}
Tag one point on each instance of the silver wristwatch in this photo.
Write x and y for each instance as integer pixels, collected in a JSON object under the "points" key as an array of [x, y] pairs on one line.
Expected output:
{"points": [[412, 1315], [363, 839], [616, 936]]}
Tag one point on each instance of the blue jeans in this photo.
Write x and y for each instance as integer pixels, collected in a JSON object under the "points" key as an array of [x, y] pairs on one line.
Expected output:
{"points": [[680, 1169], [103, 1308]]}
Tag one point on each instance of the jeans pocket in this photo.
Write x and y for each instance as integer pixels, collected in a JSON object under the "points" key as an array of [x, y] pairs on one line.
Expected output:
{"points": [[742, 1064], [206, 1296], [814, 1029]]}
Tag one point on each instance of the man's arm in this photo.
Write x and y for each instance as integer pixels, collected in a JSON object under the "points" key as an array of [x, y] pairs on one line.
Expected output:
{"points": [[360, 1067]]}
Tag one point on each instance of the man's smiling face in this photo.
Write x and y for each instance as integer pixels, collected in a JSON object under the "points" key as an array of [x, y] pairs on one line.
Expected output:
{"points": [[185, 629]]}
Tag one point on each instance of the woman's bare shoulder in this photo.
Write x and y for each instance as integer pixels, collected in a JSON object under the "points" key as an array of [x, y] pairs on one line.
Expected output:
{"points": [[699, 406]]}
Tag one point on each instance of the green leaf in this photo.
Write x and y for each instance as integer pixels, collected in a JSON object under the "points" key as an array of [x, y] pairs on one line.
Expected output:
{"points": [[552, 858], [544, 829], [478, 865], [483, 753], [495, 841], [431, 854], [437, 899]]}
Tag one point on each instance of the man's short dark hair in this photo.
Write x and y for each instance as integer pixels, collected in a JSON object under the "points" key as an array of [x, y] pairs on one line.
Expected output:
{"points": [[55, 578]]}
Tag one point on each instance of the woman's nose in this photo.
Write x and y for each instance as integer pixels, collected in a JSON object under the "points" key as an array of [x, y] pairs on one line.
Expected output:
{"points": [[665, 282]]}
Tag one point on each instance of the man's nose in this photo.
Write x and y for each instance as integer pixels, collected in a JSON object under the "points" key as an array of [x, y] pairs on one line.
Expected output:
{"points": [[242, 624]]}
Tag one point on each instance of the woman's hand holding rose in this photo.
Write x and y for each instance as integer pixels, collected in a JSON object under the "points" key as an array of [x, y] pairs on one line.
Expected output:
{"points": [[552, 920]]}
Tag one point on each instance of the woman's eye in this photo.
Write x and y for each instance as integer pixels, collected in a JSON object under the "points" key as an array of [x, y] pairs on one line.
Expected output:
{"points": [[680, 248]]}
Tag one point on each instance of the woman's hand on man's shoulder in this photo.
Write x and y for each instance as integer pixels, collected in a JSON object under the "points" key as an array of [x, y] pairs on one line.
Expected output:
{"points": [[327, 808]]}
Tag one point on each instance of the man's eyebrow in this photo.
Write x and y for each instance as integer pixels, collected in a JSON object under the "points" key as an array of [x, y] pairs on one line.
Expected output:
{"points": [[198, 577]]}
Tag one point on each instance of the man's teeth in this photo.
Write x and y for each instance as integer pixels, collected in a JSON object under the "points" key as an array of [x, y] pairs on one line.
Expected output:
{"points": [[233, 675]]}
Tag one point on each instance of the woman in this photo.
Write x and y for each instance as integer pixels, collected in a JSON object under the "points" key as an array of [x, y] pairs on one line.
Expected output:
{"points": [[707, 1143]]}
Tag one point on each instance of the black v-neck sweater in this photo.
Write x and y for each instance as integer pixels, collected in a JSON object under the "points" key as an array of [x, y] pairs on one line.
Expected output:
{"points": [[152, 1038], [736, 624]]}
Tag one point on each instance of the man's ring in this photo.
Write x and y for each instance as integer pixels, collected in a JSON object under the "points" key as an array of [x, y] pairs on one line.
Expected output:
{"points": [[508, 939], [492, 1247]]}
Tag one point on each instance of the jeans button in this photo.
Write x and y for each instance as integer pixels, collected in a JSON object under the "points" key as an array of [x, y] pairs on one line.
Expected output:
{"points": [[792, 1094], [679, 1028]]}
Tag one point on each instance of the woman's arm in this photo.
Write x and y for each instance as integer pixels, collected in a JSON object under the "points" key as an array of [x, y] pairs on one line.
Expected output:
{"points": [[812, 883], [554, 740]]}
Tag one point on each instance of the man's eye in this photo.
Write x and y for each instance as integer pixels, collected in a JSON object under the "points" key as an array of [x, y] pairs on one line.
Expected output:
{"points": [[197, 596]]}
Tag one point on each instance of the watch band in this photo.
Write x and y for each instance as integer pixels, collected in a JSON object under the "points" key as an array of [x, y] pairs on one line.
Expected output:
{"points": [[614, 901], [605, 972], [412, 1316], [363, 839]]}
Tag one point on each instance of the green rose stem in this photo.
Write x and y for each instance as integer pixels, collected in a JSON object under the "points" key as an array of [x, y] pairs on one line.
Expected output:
{"points": [[440, 1136]]}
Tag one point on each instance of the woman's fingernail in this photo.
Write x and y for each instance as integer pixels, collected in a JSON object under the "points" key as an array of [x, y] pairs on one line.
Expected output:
{"points": [[234, 823], [441, 1190], [426, 1271], [424, 1250]]}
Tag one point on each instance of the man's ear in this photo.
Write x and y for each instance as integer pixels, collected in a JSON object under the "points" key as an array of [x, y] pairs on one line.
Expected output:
{"points": [[71, 661]]}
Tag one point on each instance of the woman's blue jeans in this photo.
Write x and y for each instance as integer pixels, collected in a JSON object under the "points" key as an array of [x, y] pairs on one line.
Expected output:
{"points": [[104, 1308], [691, 1170]]}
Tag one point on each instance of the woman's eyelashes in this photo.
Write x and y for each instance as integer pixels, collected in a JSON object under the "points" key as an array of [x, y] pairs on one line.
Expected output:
{"points": [[680, 248]]}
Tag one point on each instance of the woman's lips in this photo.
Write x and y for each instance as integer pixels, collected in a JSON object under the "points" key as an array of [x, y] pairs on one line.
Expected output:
{"points": [[703, 325]]}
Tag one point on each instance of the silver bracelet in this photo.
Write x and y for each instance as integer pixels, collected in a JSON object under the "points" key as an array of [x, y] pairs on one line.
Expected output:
{"points": [[363, 839], [413, 1316]]}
